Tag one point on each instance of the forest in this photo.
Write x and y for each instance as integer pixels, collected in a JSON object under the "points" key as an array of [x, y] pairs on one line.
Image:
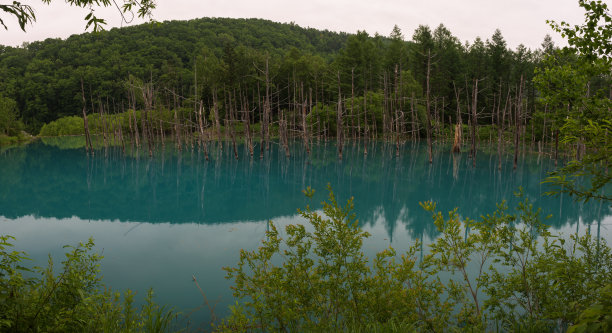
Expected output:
{"points": [[45, 77], [228, 78], [271, 73]]}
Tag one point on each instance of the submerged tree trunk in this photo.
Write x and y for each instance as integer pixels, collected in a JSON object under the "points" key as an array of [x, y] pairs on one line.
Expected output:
{"points": [[457, 142], [136, 132], [267, 108], [397, 109], [457, 139], [177, 131], [500, 130], [217, 119], [517, 121], [413, 122], [474, 121], [232, 108], [88, 144], [203, 142], [305, 124], [339, 129], [556, 146]]}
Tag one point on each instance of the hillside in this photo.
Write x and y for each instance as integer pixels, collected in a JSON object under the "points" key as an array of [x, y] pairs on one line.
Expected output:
{"points": [[44, 77], [234, 64]]}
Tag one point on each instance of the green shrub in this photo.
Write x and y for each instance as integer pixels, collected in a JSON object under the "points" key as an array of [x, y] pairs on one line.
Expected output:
{"points": [[10, 124], [598, 316], [325, 282], [71, 125], [72, 301], [8, 140], [522, 278]]}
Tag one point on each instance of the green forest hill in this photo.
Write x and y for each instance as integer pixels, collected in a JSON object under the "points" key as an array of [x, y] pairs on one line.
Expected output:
{"points": [[44, 78]]}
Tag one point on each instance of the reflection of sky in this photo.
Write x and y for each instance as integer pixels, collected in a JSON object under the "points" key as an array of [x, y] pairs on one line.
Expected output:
{"points": [[163, 255], [143, 255]]}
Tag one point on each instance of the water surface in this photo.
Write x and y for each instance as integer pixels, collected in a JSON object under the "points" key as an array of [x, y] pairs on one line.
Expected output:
{"points": [[161, 220]]}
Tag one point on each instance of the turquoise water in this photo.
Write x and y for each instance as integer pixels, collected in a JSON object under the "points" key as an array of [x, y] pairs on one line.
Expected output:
{"points": [[161, 220]]}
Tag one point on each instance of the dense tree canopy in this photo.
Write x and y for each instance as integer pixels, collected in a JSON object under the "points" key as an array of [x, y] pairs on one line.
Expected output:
{"points": [[44, 77], [229, 55]]}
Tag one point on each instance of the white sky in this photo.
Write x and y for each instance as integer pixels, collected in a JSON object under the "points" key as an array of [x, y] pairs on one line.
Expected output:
{"points": [[521, 21]]}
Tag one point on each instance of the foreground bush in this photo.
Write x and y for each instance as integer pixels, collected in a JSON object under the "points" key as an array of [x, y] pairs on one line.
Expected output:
{"points": [[507, 272], [72, 301]]}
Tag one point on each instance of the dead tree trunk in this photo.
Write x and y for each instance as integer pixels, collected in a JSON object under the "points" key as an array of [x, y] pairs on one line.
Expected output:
{"points": [[147, 96], [413, 127], [517, 122], [231, 123], [500, 130], [556, 146], [352, 103], [339, 129], [88, 144], [267, 108], [474, 121], [102, 122], [136, 132], [217, 120], [365, 123], [247, 125], [458, 126], [429, 148], [396, 119], [305, 124], [203, 142], [177, 132]]}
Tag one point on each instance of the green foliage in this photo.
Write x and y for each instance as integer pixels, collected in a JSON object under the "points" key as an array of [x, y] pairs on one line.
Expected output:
{"points": [[357, 112], [366, 109], [324, 283], [562, 85], [597, 317], [589, 177], [71, 299], [8, 140], [72, 125], [585, 119], [324, 116], [358, 62], [9, 122], [25, 14], [224, 61], [501, 272], [593, 39], [227, 58], [44, 78]]}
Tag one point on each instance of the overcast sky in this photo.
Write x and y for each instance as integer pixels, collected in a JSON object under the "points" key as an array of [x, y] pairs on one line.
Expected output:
{"points": [[521, 21]]}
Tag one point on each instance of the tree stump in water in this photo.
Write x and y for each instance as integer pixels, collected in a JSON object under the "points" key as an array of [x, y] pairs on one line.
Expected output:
{"points": [[457, 141]]}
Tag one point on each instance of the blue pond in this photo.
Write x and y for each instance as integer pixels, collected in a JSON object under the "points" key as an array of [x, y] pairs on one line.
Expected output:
{"points": [[161, 220]]}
